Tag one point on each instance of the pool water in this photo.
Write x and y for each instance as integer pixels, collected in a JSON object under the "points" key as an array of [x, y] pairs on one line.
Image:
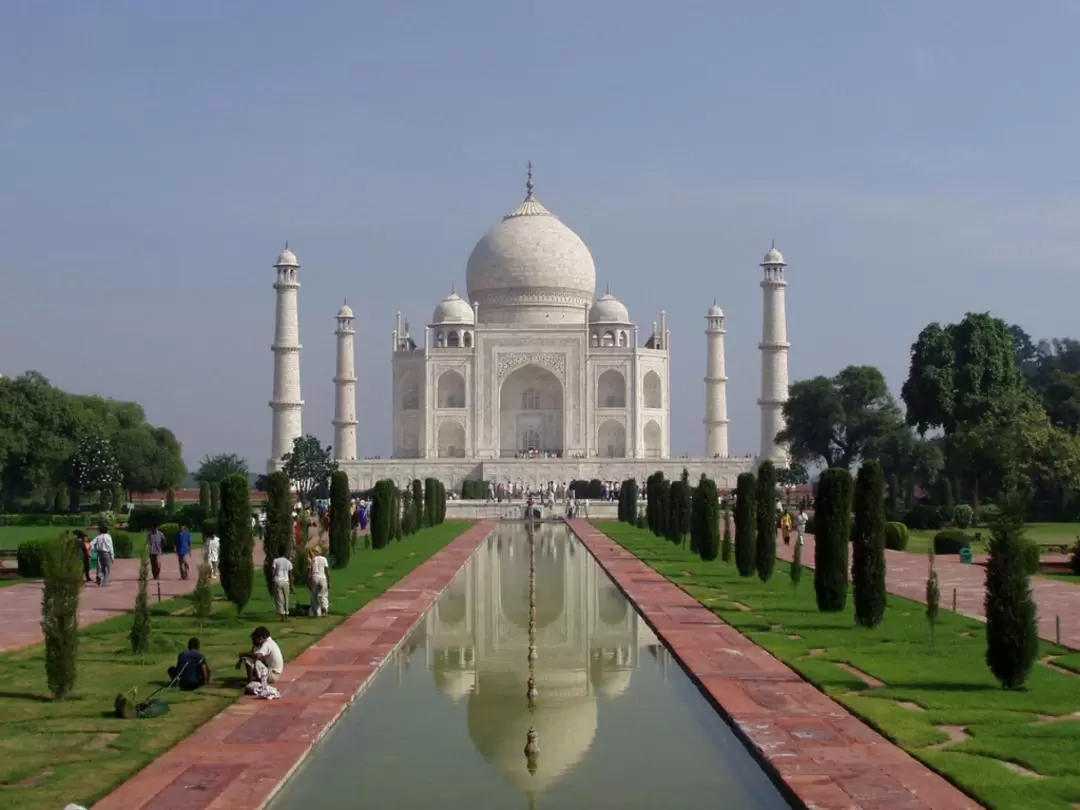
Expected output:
{"points": [[615, 722]]}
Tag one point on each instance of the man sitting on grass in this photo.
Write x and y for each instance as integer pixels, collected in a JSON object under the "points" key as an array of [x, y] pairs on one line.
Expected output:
{"points": [[191, 670]]}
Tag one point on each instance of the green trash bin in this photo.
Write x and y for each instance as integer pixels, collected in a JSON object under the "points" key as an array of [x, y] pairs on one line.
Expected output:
{"points": [[965, 555]]}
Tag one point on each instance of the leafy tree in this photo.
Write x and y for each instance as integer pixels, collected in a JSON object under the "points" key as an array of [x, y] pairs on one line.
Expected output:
{"points": [[832, 529], [791, 476], [868, 546], [60, 615], [140, 624], [61, 501], [340, 519], [745, 524], [204, 495], [913, 461], [234, 526], [215, 469], [308, 466], [94, 466], [706, 519], [277, 538], [1012, 630], [765, 517], [841, 420]]}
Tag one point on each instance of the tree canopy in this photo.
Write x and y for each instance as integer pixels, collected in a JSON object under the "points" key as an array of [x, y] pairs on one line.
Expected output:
{"points": [[41, 427], [215, 469], [840, 420], [308, 466]]}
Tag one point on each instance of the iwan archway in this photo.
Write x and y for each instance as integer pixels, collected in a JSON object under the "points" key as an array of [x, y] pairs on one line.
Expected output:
{"points": [[531, 413]]}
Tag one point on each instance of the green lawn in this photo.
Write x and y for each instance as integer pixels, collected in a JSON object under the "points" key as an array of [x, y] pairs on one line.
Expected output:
{"points": [[55, 753], [952, 688], [13, 536], [1045, 534]]}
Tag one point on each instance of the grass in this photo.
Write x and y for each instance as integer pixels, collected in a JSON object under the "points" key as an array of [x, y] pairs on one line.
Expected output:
{"points": [[75, 751], [954, 687], [14, 536], [1045, 534]]}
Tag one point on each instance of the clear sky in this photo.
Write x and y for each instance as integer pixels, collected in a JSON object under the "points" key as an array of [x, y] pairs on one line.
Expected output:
{"points": [[913, 161]]}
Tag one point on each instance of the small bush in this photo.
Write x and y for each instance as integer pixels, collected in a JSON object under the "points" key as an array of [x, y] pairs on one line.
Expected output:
{"points": [[1032, 556], [951, 541], [202, 597], [143, 518], [641, 522], [896, 536], [31, 558], [123, 545], [962, 515], [169, 530], [923, 516], [989, 514]]}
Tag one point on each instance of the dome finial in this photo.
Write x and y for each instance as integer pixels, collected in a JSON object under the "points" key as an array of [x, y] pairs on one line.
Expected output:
{"points": [[607, 289], [453, 288], [529, 183]]}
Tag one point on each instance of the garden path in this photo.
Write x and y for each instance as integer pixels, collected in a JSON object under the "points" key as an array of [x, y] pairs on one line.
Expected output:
{"points": [[906, 576]]}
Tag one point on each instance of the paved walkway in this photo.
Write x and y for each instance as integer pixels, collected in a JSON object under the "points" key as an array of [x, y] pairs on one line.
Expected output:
{"points": [[906, 576], [20, 605], [825, 755], [240, 759]]}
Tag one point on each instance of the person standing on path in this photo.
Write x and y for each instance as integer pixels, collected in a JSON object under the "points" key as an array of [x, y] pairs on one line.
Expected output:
{"points": [[281, 570], [183, 549], [320, 583], [82, 543], [800, 526], [155, 540], [213, 553], [102, 545], [785, 527]]}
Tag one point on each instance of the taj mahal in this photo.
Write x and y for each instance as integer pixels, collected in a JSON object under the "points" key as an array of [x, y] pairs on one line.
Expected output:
{"points": [[531, 377]]}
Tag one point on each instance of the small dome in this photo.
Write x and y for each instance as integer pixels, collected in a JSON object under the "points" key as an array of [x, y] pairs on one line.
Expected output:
{"points": [[608, 309], [715, 312], [453, 309], [286, 259], [345, 311], [774, 256]]}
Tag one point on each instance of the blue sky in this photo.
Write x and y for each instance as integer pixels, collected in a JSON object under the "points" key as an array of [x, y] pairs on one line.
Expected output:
{"points": [[913, 161]]}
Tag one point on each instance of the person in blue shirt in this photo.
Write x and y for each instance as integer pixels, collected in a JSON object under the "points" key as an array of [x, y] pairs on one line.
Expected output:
{"points": [[183, 549], [191, 670]]}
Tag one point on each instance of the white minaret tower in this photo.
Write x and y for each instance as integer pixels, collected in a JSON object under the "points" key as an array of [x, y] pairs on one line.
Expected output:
{"points": [[774, 356], [716, 421], [286, 405], [345, 388]]}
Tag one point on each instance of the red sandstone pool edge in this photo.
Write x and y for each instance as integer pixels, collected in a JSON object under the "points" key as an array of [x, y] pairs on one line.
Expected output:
{"points": [[824, 755], [242, 757]]}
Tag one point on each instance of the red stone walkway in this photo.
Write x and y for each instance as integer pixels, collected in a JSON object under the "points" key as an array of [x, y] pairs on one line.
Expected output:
{"points": [[827, 757], [905, 575], [240, 759], [20, 605]]}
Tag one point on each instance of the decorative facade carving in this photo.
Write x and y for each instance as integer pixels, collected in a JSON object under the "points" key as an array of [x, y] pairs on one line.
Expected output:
{"points": [[505, 363]]}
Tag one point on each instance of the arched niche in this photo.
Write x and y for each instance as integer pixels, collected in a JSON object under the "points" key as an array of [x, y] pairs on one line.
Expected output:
{"points": [[611, 390], [451, 440], [450, 392], [654, 439], [653, 390], [611, 440], [530, 412]]}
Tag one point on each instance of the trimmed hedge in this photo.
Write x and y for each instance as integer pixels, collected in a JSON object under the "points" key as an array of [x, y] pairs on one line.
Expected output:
{"points": [[951, 541], [123, 545], [896, 536], [1032, 556], [832, 539], [31, 558], [44, 519], [924, 516], [745, 523]]}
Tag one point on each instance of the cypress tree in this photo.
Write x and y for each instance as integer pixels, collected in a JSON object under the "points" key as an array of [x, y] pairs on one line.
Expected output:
{"points": [[796, 566], [622, 501], [765, 548], [832, 532], [652, 506], [140, 617], [674, 507], [868, 546], [1012, 630], [380, 521], [60, 615], [215, 499], [708, 542], [725, 549], [395, 513], [234, 526], [745, 525], [684, 501], [277, 539], [430, 515], [204, 497], [933, 597], [418, 504], [442, 502], [947, 503], [170, 501], [632, 495], [407, 511], [663, 508], [340, 520]]}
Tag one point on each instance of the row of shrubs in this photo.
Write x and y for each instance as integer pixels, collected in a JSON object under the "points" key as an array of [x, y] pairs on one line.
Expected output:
{"points": [[953, 541], [47, 519], [192, 515], [924, 516]]}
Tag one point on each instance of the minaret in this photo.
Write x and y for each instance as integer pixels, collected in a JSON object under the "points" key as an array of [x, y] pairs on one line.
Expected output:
{"points": [[286, 405], [345, 388], [716, 421], [774, 356]]}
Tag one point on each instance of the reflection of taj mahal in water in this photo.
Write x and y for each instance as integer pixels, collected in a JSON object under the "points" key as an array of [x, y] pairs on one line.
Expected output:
{"points": [[587, 641], [532, 377]]}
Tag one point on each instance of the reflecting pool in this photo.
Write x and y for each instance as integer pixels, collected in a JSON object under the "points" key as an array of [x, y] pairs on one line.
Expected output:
{"points": [[531, 683]]}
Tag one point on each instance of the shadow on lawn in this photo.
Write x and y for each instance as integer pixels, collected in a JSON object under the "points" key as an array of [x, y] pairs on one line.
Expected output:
{"points": [[33, 697]]}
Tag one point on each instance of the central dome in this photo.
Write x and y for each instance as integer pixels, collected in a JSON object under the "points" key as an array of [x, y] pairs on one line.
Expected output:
{"points": [[531, 268]]}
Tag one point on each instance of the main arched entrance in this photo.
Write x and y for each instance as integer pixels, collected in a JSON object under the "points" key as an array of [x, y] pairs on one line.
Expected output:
{"points": [[531, 413]]}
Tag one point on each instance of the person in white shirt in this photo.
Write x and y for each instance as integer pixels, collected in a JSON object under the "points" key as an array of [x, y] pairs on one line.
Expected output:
{"points": [[800, 526], [320, 583], [213, 553], [102, 545], [281, 574], [265, 663]]}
